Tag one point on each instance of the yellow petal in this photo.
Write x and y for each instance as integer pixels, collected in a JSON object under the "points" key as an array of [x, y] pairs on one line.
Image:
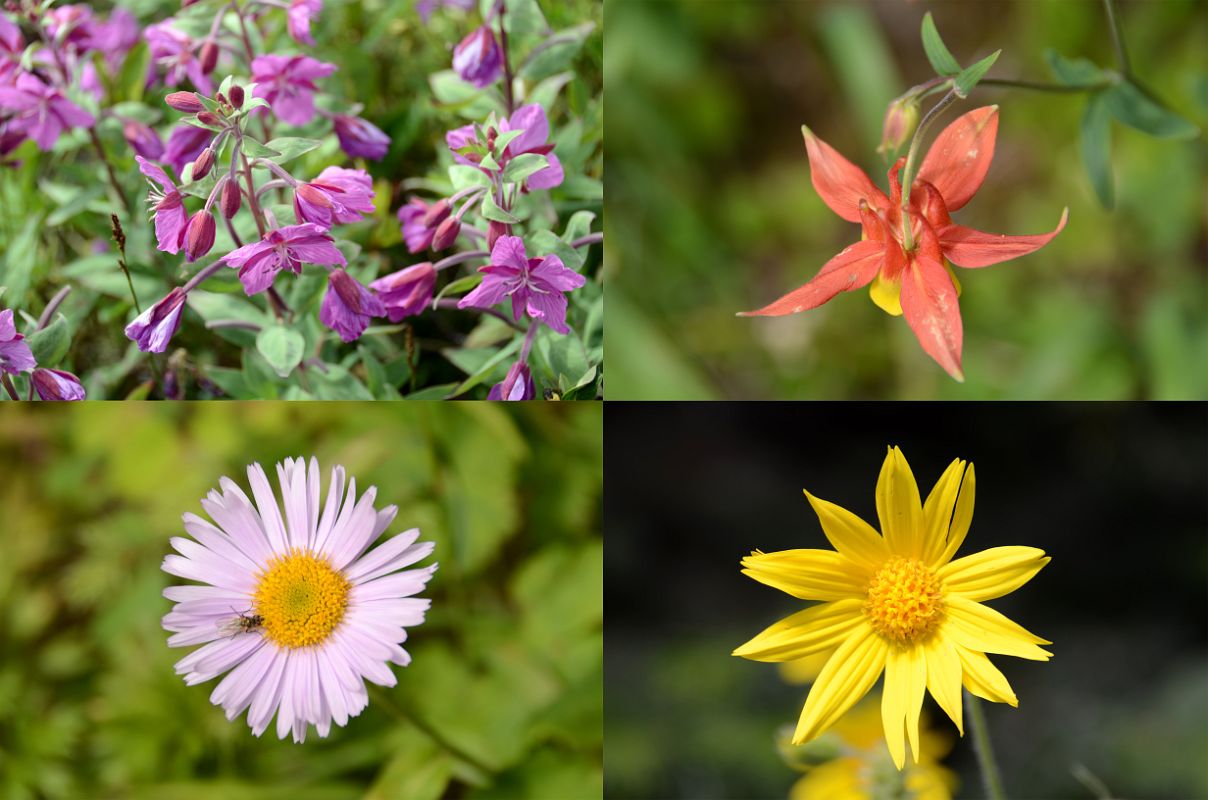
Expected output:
{"points": [[887, 295], [992, 573], [944, 677], [962, 516], [978, 627], [807, 574], [898, 506], [902, 700], [937, 511], [847, 677], [838, 779], [850, 535], [983, 679], [813, 630]]}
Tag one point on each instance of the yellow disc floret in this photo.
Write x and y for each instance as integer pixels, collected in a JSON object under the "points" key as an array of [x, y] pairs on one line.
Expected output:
{"points": [[301, 598], [905, 602]]}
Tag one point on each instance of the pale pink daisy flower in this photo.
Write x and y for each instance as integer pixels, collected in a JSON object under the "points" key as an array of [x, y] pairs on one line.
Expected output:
{"points": [[292, 607]]}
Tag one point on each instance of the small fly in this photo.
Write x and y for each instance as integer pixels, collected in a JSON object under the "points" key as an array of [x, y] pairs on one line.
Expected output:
{"points": [[243, 623]]}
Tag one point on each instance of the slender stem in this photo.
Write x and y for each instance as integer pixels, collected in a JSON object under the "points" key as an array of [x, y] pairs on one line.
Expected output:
{"points": [[251, 56], [509, 99], [202, 274], [912, 157], [280, 307], [400, 710], [100, 151], [460, 258], [1036, 86], [528, 340], [1117, 38], [985, 751], [231, 230], [8, 386], [240, 324], [451, 302], [589, 239], [52, 306], [119, 236]]}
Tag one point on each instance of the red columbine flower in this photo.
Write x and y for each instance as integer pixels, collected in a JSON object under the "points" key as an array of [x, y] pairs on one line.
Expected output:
{"points": [[919, 282]]}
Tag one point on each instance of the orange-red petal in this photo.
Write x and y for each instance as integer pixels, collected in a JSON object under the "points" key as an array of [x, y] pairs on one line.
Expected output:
{"points": [[970, 248], [840, 183], [930, 307], [853, 268], [959, 158]]}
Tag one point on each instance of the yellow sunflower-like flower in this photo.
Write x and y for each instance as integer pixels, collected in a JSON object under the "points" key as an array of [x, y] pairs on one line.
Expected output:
{"points": [[898, 603]]}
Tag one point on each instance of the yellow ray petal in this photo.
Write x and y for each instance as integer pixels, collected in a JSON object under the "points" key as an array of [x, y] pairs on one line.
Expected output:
{"points": [[898, 506], [807, 574], [944, 677], [978, 627], [937, 511], [962, 516], [813, 630], [992, 573], [983, 679], [902, 700], [834, 780], [850, 535], [847, 677]]}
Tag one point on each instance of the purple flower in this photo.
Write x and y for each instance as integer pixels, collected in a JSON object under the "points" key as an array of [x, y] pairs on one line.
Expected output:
{"points": [[171, 219], [54, 384], [143, 140], [185, 144], [348, 305], [72, 26], [153, 328], [536, 285], [298, 19], [42, 111], [478, 60], [199, 236], [407, 292], [337, 195], [419, 221], [282, 248], [15, 355], [172, 51], [287, 83], [531, 119], [360, 139], [518, 385], [426, 7], [12, 45]]}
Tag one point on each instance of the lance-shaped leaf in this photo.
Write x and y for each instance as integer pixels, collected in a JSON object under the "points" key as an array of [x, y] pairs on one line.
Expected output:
{"points": [[941, 59], [1096, 148]]}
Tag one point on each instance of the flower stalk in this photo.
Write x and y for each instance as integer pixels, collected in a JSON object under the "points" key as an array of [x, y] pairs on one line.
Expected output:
{"points": [[991, 777], [912, 163]]}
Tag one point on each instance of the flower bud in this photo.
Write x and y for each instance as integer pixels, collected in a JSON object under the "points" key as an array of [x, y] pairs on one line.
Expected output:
{"points": [[495, 230], [199, 237], [209, 56], [236, 96], [517, 385], [203, 164], [478, 59], [232, 198], [446, 233], [900, 120], [436, 214], [209, 118], [55, 384], [185, 101]]}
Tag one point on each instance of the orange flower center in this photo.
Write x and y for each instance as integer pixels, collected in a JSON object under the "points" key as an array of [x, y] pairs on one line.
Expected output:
{"points": [[905, 602], [301, 599]]}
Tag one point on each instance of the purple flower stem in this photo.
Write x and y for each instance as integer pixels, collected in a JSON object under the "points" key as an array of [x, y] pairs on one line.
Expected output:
{"points": [[460, 258], [473, 232], [528, 341], [509, 100], [201, 275], [51, 307], [269, 186], [251, 56], [451, 302], [280, 307], [231, 230], [8, 387], [476, 197], [588, 240]]}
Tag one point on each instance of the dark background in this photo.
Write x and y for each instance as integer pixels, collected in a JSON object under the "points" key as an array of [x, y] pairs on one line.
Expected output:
{"points": [[1115, 493]]}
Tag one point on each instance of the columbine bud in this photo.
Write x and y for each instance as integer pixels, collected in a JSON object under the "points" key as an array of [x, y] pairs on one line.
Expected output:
{"points": [[231, 200], [209, 56], [209, 118], [436, 214], [495, 230], [185, 101], [199, 237], [900, 119], [236, 96], [446, 233], [203, 164]]}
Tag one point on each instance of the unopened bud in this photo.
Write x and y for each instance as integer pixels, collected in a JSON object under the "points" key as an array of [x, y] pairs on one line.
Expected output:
{"points": [[900, 120], [203, 164], [236, 93], [185, 101], [221, 98], [209, 118], [436, 214], [199, 237], [231, 200], [446, 233], [495, 230], [209, 56]]}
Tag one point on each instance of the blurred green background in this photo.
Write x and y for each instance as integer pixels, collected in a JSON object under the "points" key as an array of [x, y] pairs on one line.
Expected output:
{"points": [[507, 668], [712, 210]]}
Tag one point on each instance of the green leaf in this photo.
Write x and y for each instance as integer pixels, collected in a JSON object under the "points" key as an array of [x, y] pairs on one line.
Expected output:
{"points": [[459, 286], [504, 138], [968, 78], [463, 177], [1137, 109], [254, 149], [290, 147], [542, 243], [941, 59], [432, 392], [523, 166], [1074, 71], [484, 369], [492, 211], [231, 382], [281, 347], [545, 93], [133, 76], [1096, 148], [579, 225], [50, 344]]}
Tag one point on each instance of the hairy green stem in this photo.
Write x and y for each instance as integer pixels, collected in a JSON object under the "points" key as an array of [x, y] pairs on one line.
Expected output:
{"points": [[991, 777], [1036, 86], [1117, 38], [400, 710], [912, 166]]}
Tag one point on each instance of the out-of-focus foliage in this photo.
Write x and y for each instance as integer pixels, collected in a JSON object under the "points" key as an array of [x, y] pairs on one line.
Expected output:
{"points": [[507, 669], [713, 211]]}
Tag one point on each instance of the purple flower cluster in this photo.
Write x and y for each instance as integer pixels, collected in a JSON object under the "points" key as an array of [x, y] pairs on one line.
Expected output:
{"points": [[16, 357]]}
